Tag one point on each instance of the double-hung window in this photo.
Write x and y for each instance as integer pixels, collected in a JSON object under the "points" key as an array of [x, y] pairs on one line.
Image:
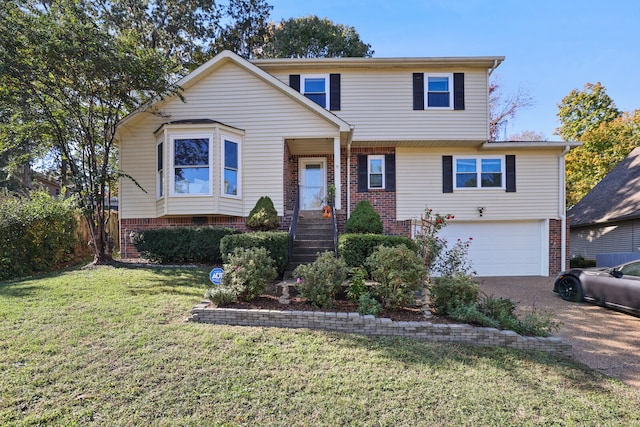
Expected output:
{"points": [[230, 166], [316, 88], [439, 93], [479, 172], [191, 162], [375, 172]]}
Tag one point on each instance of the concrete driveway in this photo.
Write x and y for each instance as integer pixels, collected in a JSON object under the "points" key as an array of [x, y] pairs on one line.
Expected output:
{"points": [[603, 339]]}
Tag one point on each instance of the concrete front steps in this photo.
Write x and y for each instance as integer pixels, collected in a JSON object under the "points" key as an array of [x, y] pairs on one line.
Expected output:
{"points": [[314, 234]]}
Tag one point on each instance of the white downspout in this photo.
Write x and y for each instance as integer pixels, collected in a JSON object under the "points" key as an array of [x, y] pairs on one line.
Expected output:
{"points": [[349, 141], [562, 208]]}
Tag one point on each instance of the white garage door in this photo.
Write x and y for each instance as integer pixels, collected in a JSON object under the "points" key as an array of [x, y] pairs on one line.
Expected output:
{"points": [[504, 248]]}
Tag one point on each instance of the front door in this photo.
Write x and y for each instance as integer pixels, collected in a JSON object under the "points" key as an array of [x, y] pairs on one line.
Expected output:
{"points": [[313, 182]]}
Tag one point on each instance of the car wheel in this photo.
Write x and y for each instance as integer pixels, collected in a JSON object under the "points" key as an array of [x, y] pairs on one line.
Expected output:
{"points": [[570, 289]]}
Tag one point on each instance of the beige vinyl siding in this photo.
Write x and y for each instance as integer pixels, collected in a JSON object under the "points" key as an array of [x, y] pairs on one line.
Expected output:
{"points": [[419, 185], [379, 103], [236, 98]]}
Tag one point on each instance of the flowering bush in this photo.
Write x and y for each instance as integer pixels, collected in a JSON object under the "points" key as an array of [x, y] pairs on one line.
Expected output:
{"points": [[429, 244], [320, 281], [454, 260], [247, 272], [399, 272]]}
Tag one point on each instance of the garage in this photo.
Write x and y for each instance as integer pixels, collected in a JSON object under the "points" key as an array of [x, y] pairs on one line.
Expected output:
{"points": [[517, 248]]}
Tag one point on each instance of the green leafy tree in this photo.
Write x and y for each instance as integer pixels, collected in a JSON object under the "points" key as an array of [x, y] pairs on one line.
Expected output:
{"points": [[312, 37], [602, 149], [249, 30], [69, 82], [586, 110]]}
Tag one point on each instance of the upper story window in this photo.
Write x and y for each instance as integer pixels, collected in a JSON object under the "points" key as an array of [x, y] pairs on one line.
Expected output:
{"points": [[315, 88], [191, 165], [376, 171], [439, 94], [230, 166], [323, 89], [479, 172]]}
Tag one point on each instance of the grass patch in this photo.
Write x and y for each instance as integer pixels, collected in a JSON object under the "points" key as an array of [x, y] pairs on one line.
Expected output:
{"points": [[109, 346]]}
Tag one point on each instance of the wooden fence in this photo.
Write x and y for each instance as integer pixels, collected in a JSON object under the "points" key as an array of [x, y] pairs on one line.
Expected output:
{"points": [[83, 247]]}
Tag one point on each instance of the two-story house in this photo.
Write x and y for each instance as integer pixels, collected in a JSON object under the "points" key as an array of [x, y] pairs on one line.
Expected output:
{"points": [[403, 133]]}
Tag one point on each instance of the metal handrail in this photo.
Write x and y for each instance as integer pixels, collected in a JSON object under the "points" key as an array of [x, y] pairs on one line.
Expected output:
{"points": [[294, 224]]}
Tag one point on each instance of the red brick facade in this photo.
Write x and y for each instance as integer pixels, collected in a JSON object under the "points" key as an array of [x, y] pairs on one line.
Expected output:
{"points": [[555, 246]]}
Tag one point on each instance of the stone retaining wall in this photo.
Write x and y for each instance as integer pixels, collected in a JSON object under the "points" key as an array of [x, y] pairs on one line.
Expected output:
{"points": [[370, 325]]}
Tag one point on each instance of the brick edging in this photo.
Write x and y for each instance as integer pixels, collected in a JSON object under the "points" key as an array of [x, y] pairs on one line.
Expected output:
{"points": [[356, 323]]}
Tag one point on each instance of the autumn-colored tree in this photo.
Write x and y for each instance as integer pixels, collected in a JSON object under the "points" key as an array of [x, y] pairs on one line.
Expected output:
{"points": [[603, 148]]}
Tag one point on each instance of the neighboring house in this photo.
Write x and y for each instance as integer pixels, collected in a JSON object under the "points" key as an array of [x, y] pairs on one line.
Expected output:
{"points": [[50, 186], [403, 133], [607, 219]]}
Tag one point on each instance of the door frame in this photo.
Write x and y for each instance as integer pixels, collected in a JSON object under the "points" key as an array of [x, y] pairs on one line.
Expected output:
{"points": [[302, 162]]}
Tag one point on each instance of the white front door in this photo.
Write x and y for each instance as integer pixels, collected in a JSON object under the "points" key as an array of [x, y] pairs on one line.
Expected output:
{"points": [[313, 182]]}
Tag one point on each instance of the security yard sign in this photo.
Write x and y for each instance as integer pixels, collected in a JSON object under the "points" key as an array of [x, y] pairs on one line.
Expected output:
{"points": [[216, 276]]}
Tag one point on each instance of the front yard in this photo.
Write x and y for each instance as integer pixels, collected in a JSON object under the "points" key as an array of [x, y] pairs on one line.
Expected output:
{"points": [[109, 346]]}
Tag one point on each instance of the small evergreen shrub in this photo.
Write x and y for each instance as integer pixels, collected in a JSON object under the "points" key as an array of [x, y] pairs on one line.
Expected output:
{"points": [[448, 293], [368, 305], [364, 219], [263, 216], [220, 296], [580, 262], [36, 234], [275, 242], [182, 244], [354, 249], [320, 281], [399, 272], [247, 273]]}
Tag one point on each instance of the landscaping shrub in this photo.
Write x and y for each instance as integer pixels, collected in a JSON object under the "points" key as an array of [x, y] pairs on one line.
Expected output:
{"points": [[354, 249], [182, 244], [320, 281], [364, 219], [580, 262], [220, 296], [357, 285], [399, 272], [263, 216], [247, 272], [448, 293], [36, 234], [275, 242], [368, 305]]}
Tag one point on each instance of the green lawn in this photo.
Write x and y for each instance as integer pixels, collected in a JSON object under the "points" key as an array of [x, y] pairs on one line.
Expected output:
{"points": [[109, 346]]}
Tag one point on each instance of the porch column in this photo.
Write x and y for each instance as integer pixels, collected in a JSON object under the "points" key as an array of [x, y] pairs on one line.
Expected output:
{"points": [[336, 172]]}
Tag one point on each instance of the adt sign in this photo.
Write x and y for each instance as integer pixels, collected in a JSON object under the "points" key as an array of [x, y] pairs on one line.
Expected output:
{"points": [[216, 275]]}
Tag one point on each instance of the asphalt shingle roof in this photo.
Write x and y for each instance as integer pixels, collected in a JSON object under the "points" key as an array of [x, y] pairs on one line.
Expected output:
{"points": [[615, 198]]}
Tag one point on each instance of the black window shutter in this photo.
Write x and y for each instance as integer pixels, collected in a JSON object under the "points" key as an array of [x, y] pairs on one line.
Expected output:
{"points": [[390, 172], [418, 91], [458, 91], [294, 81], [510, 166], [447, 174], [334, 94], [363, 175]]}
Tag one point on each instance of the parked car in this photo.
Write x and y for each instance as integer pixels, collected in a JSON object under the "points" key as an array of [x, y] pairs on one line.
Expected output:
{"points": [[617, 287]]}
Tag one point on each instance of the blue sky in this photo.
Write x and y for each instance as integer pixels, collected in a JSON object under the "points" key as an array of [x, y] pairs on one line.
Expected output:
{"points": [[550, 47]]}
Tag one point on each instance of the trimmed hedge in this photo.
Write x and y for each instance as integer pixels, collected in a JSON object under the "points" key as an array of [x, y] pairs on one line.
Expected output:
{"points": [[354, 249], [364, 219], [36, 234], [182, 244], [275, 242]]}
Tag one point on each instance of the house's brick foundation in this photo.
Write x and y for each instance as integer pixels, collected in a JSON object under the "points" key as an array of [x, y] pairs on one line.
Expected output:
{"points": [[369, 325], [555, 246]]}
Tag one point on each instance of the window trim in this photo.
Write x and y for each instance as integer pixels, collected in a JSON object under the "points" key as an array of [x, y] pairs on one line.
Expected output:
{"points": [[237, 140], [172, 169], [327, 87], [376, 157], [449, 76], [478, 172]]}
